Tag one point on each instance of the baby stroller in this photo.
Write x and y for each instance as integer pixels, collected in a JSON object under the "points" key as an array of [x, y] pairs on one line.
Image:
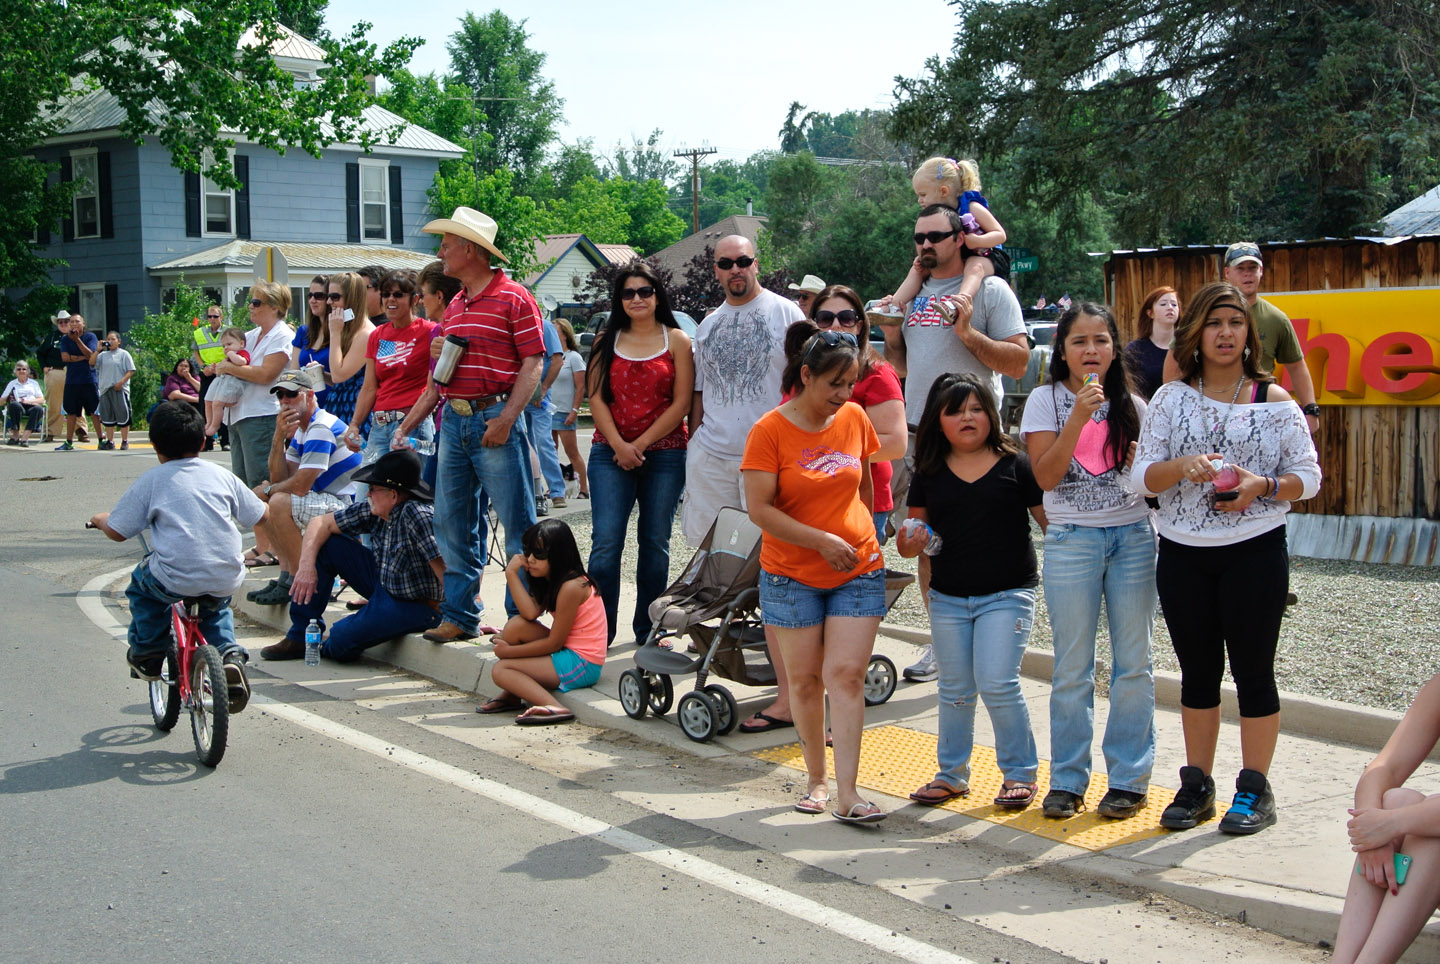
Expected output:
{"points": [[716, 603]]}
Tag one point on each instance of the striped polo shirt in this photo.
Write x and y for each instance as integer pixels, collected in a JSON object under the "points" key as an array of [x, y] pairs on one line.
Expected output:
{"points": [[320, 447], [502, 325]]}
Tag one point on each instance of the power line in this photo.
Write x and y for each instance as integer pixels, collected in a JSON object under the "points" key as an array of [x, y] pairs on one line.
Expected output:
{"points": [[694, 154]]}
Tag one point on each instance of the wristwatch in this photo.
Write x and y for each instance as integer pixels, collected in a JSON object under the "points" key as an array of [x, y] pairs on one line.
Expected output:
{"points": [[1312, 409]]}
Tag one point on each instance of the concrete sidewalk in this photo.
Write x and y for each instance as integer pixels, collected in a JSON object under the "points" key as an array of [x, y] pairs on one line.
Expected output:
{"points": [[1289, 880]]}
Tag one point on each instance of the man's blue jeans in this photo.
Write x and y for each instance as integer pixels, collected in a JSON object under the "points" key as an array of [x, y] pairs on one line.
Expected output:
{"points": [[384, 617], [469, 478], [149, 633], [538, 420], [978, 642], [1082, 565], [655, 487]]}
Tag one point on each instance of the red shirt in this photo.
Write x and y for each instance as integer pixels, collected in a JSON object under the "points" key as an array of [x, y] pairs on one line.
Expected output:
{"points": [[881, 385], [643, 390], [402, 363], [502, 325]]}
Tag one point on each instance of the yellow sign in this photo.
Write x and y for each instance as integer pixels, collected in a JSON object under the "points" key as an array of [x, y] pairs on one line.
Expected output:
{"points": [[1378, 346]]}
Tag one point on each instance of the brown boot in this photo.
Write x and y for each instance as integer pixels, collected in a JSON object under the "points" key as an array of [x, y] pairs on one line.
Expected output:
{"points": [[447, 632], [287, 648]]}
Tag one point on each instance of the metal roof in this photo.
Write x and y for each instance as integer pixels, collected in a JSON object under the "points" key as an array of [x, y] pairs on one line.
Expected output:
{"points": [[288, 44], [1419, 216], [618, 253], [301, 256]]}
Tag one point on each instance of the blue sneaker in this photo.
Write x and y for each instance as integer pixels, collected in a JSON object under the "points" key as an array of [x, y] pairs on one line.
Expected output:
{"points": [[1253, 808], [65, 447]]}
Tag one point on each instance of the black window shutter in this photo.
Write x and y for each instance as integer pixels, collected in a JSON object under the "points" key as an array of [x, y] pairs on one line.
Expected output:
{"points": [[67, 226], [397, 213], [75, 302], [242, 197], [107, 207], [352, 203], [192, 204], [112, 307], [42, 236]]}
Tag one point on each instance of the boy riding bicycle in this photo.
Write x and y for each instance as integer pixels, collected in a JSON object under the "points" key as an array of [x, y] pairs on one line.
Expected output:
{"points": [[191, 508]]}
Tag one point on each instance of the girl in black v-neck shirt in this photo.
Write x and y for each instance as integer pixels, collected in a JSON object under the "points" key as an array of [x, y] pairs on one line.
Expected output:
{"points": [[974, 489]]}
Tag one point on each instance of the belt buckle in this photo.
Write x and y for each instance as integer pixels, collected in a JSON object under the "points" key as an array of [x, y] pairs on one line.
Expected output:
{"points": [[461, 406]]}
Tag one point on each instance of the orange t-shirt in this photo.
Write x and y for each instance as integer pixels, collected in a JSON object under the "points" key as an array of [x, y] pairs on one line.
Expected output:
{"points": [[818, 484]]}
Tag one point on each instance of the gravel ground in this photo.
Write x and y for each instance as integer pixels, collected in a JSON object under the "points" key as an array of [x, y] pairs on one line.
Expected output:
{"points": [[1361, 633]]}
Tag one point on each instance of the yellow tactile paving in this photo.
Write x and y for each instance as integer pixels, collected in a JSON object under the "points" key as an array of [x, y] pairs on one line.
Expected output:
{"points": [[896, 760]]}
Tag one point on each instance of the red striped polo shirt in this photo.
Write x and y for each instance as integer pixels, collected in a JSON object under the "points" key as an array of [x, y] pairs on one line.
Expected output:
{"points": [[502, 325]]}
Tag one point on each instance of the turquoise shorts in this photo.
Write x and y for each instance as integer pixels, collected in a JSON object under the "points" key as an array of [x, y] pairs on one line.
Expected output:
{"points": [[575, 673]]}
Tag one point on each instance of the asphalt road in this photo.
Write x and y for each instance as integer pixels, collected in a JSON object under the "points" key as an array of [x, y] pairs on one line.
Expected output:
{"points": [[334, 831]]}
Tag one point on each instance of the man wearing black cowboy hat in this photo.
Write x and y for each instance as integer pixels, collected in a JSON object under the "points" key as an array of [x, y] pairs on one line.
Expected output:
{"points": [[402, 575]]}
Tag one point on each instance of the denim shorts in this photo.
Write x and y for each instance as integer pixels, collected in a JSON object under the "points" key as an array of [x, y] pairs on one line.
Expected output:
{"points": [[788, 604], [574, 672]]}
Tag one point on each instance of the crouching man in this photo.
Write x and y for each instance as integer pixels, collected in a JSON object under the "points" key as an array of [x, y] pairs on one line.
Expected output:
{"points": [[402, 574]]}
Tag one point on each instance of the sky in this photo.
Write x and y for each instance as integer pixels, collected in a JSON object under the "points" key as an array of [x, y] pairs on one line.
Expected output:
{"points": [[720, 73]]}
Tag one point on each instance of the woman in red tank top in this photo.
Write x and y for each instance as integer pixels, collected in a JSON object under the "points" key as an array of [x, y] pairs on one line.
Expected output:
{"points": [[640, 380]]}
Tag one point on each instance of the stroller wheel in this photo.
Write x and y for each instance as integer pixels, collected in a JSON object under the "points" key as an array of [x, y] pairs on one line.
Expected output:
{"points": [[699, 716], [880, 680], [729, 709], [662, 693], [634, 694]]}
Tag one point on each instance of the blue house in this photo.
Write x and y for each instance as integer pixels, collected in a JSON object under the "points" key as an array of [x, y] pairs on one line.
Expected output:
{"points": [[138, 225]]}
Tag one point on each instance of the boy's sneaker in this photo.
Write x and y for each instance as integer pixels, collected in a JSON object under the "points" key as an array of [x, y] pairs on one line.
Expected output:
{"points": [[1119, 804], [1062, 804], [1253, 808], [147, 668], [239, 686], [123, 445], [924, 669], [66, 446], [542, 505], [104, 446], [1194, 802]]}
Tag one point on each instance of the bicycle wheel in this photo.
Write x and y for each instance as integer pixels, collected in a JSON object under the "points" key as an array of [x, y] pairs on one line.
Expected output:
{"points": [[209, 705], [165, 694]]}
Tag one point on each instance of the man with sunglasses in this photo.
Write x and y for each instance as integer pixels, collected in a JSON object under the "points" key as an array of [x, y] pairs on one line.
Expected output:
{"points": [[208, 352], [938, 338], [739, 360]]}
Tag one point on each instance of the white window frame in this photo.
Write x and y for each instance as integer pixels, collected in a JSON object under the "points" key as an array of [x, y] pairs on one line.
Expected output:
{"points": [[209, 189], [383, 167], [86, 296], [93, 156]]}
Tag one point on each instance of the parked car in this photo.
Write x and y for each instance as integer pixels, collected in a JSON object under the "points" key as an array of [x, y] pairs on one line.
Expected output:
{"points": [[1043, 333], [598, 320]]}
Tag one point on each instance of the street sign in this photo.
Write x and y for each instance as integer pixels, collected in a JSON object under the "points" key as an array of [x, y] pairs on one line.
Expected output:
{"points": [[1021, 265], [1018, 253], [270, 265]]}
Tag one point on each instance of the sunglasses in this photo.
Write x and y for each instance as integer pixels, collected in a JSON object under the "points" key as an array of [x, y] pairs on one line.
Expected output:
{"points": [[286, 394], [334, 296], [725, 264], [256, 303], [317, 296], [626, 294], [935, 237], [539, 555], [829, 339], [214, 317], [396, 293], [848, 318]]}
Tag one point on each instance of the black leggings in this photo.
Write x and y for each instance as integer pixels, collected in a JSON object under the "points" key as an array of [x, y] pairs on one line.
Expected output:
{"points": [[1220, 599]]}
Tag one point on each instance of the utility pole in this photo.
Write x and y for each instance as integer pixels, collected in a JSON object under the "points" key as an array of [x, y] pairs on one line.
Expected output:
{"points": [[694, 154]]}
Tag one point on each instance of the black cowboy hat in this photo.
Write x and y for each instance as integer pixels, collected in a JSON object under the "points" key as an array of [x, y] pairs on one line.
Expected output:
{"points": [[399, 470]]}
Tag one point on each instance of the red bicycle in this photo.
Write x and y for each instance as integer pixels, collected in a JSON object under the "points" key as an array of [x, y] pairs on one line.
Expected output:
{"points": [[192, 678]]}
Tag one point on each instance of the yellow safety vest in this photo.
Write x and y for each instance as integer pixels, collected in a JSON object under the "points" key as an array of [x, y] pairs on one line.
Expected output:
{"points": [[207, 346]]}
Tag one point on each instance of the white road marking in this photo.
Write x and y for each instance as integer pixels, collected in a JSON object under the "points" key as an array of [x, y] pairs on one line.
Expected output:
{"points": [[90, 599]]}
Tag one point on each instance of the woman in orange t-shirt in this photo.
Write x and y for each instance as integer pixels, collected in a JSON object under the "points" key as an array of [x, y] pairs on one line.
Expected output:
{"points": [[822, 580]]}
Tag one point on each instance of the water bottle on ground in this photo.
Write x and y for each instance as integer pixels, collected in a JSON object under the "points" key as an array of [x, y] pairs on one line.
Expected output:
{"points": [[911, 526], [313, 633], [422, 446]]}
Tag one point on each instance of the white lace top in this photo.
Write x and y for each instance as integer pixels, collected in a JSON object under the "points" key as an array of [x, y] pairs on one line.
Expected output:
{"points": [[1266, 438]]}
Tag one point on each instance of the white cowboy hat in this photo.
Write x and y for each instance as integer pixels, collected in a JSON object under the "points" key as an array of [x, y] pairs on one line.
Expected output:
{"points": [[471, 225], [809, 283]]}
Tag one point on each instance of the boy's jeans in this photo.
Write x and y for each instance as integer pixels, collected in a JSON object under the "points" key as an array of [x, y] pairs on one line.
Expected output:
{"points": [[150, 617]]}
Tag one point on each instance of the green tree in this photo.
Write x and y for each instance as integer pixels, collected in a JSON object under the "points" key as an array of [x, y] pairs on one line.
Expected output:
{"points": [[520, 223], [644, 160], [792, 131], [593, 210], [159, 341], [652, 224], [1196, 119], [180, 79], [724, 188], [519, 109], [559, 177]]}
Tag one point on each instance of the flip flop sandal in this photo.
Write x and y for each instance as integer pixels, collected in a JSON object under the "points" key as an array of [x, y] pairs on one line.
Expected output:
{"points": [[937, 792], [863, 812], [812, 805], [499, 705], [1016, 803], [544, 716], [767, 723], [254, 560]]}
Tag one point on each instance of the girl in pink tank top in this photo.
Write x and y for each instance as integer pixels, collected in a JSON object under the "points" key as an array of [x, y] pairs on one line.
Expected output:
{"points": [[533, 659]]}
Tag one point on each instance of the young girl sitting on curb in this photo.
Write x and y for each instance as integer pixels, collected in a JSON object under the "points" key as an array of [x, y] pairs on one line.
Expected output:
{"points": [[531, 658]]}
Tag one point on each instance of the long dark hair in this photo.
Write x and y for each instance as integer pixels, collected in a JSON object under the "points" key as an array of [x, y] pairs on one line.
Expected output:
{"points": [[1185, 347], [947, 396], [806, 348], [554, 538], [869, 357], [602, 352], [316, 328], [1122, 424]]}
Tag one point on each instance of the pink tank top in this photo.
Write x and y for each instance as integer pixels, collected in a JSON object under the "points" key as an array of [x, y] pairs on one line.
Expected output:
{"points": [[588, 633], [643, 389]]}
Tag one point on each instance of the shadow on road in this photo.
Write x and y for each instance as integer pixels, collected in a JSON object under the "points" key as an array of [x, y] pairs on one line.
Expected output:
{"points": [[109, 753]]}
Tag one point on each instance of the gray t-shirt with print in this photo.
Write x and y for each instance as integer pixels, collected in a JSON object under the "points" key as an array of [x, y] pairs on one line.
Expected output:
{"points": [[932, 349]]}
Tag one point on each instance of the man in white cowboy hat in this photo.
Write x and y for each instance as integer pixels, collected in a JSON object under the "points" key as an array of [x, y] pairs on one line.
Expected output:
{"points": [[53, 366], [805, 292], [479, 454]]}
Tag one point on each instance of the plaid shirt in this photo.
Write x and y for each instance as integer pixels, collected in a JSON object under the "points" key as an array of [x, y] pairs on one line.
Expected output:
{"points": [[404, 546]]}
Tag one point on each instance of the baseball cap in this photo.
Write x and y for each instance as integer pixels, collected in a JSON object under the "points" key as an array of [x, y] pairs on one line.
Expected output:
{"points": [[1242, 251]]}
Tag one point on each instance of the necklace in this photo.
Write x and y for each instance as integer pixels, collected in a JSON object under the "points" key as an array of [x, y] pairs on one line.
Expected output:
{"points": [[1216, 428]]}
